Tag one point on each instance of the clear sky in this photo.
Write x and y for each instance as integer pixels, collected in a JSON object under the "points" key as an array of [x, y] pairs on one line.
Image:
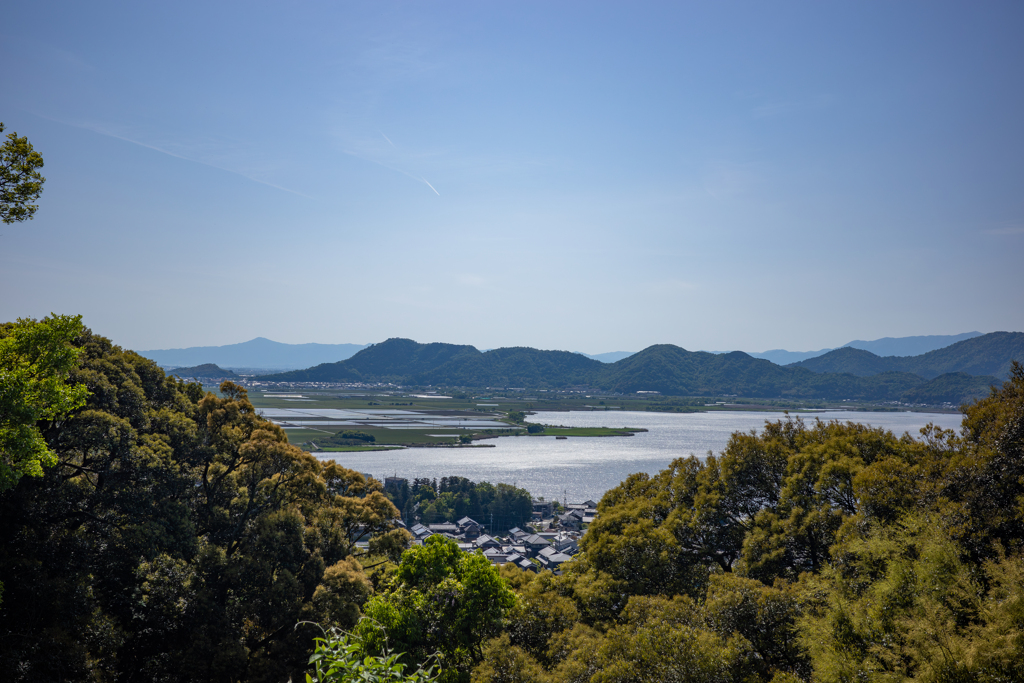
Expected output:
{"points": [[575, 175]]}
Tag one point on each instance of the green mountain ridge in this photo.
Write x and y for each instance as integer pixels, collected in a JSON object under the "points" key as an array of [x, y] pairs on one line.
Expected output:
{"points": [[988, 355], [667, 369]]}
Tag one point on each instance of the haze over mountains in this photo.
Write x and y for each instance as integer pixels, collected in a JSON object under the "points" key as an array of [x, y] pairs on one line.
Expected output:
{"points": [[945, 373], [261, 354], [886, 346], [256, 354], [950, 375], [989, 354]]}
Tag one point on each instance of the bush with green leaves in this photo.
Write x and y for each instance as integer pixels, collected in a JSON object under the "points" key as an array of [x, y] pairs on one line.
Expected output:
{"points": [[440, 600], [341, 656]]}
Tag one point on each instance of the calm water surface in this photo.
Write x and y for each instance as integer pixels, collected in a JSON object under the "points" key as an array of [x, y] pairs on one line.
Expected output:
{"points": [[581, 468]]}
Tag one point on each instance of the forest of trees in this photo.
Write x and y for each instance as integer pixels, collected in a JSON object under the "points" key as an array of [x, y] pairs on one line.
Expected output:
{"points": [[154, 532], [499, 507], [171, 535]]}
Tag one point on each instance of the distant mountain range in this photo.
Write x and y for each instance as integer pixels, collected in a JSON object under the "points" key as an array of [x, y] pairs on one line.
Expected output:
{"points": [[886, 346], [672, 370], [989, 354], [255, 354], [262, 355]]}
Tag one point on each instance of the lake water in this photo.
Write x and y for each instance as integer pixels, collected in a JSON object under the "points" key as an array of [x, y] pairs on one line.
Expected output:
{"points": [[582, 468]]}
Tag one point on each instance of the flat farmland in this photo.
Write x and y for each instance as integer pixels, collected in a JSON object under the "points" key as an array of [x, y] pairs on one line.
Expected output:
{"points": [[392, 420]]}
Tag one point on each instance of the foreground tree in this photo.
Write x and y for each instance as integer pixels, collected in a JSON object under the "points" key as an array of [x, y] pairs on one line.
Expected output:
{"points": [[904, 602], [20, 180], [441, 601], [341, 657], [179, 537]]}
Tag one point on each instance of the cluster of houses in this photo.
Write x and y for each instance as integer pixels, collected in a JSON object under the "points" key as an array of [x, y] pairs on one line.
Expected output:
{"points": [[529, 550]]}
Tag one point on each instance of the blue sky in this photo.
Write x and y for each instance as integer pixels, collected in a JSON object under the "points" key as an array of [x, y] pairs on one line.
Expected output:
{"points": [[577, 175]]}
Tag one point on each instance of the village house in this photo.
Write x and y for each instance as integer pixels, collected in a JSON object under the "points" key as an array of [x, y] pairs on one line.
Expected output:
{"points": [[469, 528]]}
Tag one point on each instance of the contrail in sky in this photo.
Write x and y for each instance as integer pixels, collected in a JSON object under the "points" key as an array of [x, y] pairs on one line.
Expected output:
{"points": [[431, 186], [388, 139]]}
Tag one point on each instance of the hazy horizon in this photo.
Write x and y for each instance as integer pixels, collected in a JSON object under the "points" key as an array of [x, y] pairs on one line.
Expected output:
{"points": [[586, 176], [589, 353]]}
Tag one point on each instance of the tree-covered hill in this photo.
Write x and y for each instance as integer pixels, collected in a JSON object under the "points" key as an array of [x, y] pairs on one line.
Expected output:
{"points": [[394, 359], [204, 371], [953, 387], [989, 354], [850, 360], [516, 366], [663, 368]]}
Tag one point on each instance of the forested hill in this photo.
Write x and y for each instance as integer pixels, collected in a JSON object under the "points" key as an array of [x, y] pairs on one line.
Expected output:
{"points": [[408, 361], [394, 359], [204, 371], [989, 354], [665, 368]]}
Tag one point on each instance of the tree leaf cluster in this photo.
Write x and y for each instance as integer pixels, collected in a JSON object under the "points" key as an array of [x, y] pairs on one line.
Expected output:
{"points": [[441, 602], [341, 657], [36, 358]]}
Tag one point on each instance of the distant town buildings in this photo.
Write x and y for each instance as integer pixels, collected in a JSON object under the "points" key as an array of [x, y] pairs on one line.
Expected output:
{"points": [[526, 548]]}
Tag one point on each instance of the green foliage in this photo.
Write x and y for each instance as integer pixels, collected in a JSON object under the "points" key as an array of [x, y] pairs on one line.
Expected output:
{"points": [[20, 180], [35, 361], [953, 387], [352, 438], [441, 599], [178, 537], [341, 657], [903, 604], [453, 498], [535, 429], [506, 663]]}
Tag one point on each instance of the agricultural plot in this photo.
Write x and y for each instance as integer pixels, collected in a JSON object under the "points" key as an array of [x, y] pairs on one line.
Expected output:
{"points": [[311, 417]]}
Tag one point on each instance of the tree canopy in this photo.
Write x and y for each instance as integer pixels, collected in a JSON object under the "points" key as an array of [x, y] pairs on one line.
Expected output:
{"points": [[178, 537], [441, 601], [20, 180]]}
